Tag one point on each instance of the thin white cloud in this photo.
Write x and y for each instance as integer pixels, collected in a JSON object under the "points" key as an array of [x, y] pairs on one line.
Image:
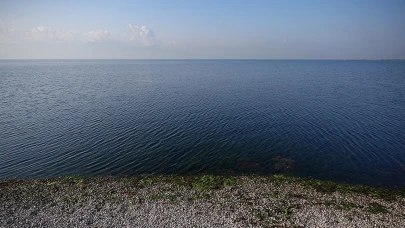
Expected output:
{"points": [[44, 34], [98, 36], [142, 36]]}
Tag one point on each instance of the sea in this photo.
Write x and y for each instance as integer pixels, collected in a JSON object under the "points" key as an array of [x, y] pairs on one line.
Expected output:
{"points": [[331, 120]]}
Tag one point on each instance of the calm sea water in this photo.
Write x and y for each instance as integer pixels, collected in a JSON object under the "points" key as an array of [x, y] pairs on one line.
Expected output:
{"points": [[334, 120]]}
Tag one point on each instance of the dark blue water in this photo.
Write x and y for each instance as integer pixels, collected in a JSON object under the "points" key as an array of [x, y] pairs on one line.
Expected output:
{"points": [[334, 120]]}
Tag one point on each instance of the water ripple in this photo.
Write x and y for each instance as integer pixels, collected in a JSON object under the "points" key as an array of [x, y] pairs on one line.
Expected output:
{"points": [[336, 120]]}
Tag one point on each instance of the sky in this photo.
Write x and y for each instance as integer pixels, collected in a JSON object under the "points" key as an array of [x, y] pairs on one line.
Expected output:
{"points": [[202, 29]]}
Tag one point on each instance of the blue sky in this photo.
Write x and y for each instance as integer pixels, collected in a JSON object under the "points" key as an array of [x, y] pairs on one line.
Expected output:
{"points": [[355, 29]]}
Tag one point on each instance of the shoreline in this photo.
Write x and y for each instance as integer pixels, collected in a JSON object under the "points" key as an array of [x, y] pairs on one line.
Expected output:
{"points": [[202, 201]]}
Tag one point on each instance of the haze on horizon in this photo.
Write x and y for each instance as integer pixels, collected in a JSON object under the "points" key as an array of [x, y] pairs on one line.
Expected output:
{"points": [[202, 29]]}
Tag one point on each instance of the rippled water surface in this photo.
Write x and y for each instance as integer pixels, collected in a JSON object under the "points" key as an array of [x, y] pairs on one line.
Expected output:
{"points": [[334, 120]]}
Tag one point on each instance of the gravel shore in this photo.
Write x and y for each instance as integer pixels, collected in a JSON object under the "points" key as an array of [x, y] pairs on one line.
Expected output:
{"points": [[204, 201]]}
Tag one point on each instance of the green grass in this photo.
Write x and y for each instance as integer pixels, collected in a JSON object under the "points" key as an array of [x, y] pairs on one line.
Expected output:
{"points": [[172, 198], [210, 182], [229, 182], [52, 183], [172, 179], [376, 208], [348, 206], [213, 182], [326, 203], [206, 182], [258, 215], [329, 187], [155, 197], [151, 180], [77, 179], [287, 212], [69, 200]]}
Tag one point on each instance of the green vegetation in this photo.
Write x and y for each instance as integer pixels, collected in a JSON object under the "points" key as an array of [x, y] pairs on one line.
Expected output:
{"points": [[172, 198], [152, 180], [283, 196], [52, 183], [76, 179], [229, 182], [287, 212], [70, 200], [348, 206], [156, 197], [258, 215], [206, 182], [376, 208], [330, 187], [209, 182]]}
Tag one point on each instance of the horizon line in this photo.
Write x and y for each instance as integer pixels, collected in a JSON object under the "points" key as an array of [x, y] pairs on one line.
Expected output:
{"points": [[2, 59]]}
